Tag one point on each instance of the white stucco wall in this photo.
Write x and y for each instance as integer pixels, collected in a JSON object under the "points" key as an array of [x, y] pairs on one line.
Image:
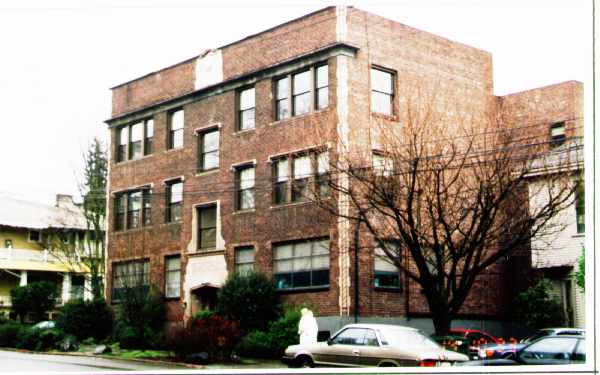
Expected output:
{"points": [[555, 248]]}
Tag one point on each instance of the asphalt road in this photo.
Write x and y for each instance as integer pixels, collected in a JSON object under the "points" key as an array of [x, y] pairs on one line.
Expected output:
{"points": [[15, 362]]}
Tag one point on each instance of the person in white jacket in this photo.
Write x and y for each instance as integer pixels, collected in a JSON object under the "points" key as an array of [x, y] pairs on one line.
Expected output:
{"points": [[307, 327]]}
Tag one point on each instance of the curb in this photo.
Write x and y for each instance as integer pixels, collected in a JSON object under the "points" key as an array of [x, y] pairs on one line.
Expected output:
{"points": [[104, 356]]}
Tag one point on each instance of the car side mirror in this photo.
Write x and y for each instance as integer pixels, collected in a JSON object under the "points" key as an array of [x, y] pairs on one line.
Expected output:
{"points": [[329, 341]]}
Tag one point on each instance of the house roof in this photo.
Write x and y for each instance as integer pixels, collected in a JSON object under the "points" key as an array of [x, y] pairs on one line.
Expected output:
{"points": [[24, 214]]}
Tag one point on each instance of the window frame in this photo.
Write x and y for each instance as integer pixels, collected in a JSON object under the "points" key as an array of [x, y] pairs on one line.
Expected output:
{"points": [[396, 273], [124, 151], [200, 229], [289, 96], [240, 111], [313, 243], [559, 139], [237, 264], [172, 132], [392, 95], [39, 236], [145, 275], [201, 168], [313, 183], [239, 191], [169, 204], [122, 214], [168, 271]]}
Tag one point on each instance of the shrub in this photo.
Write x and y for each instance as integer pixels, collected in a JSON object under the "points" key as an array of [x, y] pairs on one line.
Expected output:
{"points": [[36, 298], [536, 308], [9, 332], [282, 333], [84, 319], [250, 299], [140, 319], [215, 335]]}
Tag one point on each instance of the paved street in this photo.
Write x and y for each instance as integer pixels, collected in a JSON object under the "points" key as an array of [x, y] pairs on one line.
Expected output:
{"points": [[11, 362]]}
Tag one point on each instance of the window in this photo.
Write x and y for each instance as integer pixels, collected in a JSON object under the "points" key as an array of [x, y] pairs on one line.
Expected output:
{"points": [[557, 134], [134, 208], [135, 146], [8, 244], [173, 277], [176, 129], [308, 90], [245, 188], [386, 274], [149, 136], [383, 165], [322, 178], [322, 87], [281, 175], [207, 227], [146, 207], [123, 141], [301, 264], [35, 236], [127, 275], [244, 259], [297, 170], [353, 336], [120, 211], [302, 171], [282, 100], [135, 140], [246, 113], [550, 348], [174, 200], [77, 286], [301, 93], [382, 91], [580, 206], [209, 150]]}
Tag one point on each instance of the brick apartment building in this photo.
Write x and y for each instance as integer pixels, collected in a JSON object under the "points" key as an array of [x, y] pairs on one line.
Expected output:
{"points": [[210, 156]]}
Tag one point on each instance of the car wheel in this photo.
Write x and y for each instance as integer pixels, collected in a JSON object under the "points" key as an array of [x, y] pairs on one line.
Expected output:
{"points": [[304, 361], [387, 364]]}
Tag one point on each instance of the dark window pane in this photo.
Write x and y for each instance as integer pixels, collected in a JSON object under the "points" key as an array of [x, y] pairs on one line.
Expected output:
{"points": [[320, 277], [175, 212], [208, 238], [135, 150], [283, 280], [280, 192], [301, 279], [300, 190], [387, 279]]}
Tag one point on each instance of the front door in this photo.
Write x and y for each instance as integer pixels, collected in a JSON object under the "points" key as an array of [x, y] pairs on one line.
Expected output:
{"points": [[344, 349]]}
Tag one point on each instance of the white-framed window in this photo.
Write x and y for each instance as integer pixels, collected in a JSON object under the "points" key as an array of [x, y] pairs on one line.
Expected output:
{"points": [[208, 150], [174, 192], [207, 227], [130, 274], [383, 165], [176, 123], [385, 272]]}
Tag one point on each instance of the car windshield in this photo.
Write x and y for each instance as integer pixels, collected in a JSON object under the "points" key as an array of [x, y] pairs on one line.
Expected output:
{"points": [[410, 338], [541, 333]]}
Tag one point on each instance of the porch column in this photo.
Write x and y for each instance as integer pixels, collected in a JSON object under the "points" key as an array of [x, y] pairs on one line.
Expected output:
{"points": [[23, 280], [87, 287], [66, 287]]}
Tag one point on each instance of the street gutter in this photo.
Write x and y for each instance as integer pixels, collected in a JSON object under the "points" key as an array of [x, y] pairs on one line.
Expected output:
{"points": [[113, 357]]}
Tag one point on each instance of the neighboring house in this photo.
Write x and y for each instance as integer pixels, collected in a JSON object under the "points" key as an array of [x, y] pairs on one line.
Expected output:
{"points": [[26, 229], [555, 252], [211, 158]]}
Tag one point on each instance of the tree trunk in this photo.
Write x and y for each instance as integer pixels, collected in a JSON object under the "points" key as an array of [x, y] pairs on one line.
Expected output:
{"points": [[441, 322]]}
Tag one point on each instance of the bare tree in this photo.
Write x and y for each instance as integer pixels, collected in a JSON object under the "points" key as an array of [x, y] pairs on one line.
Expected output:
{"points": [[449, 191]]}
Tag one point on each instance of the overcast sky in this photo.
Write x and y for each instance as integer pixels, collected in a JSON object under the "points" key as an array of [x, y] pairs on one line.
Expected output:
{"points": [[59, 58]]}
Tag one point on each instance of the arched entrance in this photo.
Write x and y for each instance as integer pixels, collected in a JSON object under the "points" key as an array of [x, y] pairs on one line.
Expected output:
{"points": [[204, 297]]}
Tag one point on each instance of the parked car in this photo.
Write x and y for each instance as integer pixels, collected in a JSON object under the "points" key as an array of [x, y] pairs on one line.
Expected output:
{"points": [[549, 350], [553, 332], [472, 339], [373, 345], [46, 324]]}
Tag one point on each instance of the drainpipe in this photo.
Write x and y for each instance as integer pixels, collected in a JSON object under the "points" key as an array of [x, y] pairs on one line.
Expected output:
{"points": [[356, 287]]}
